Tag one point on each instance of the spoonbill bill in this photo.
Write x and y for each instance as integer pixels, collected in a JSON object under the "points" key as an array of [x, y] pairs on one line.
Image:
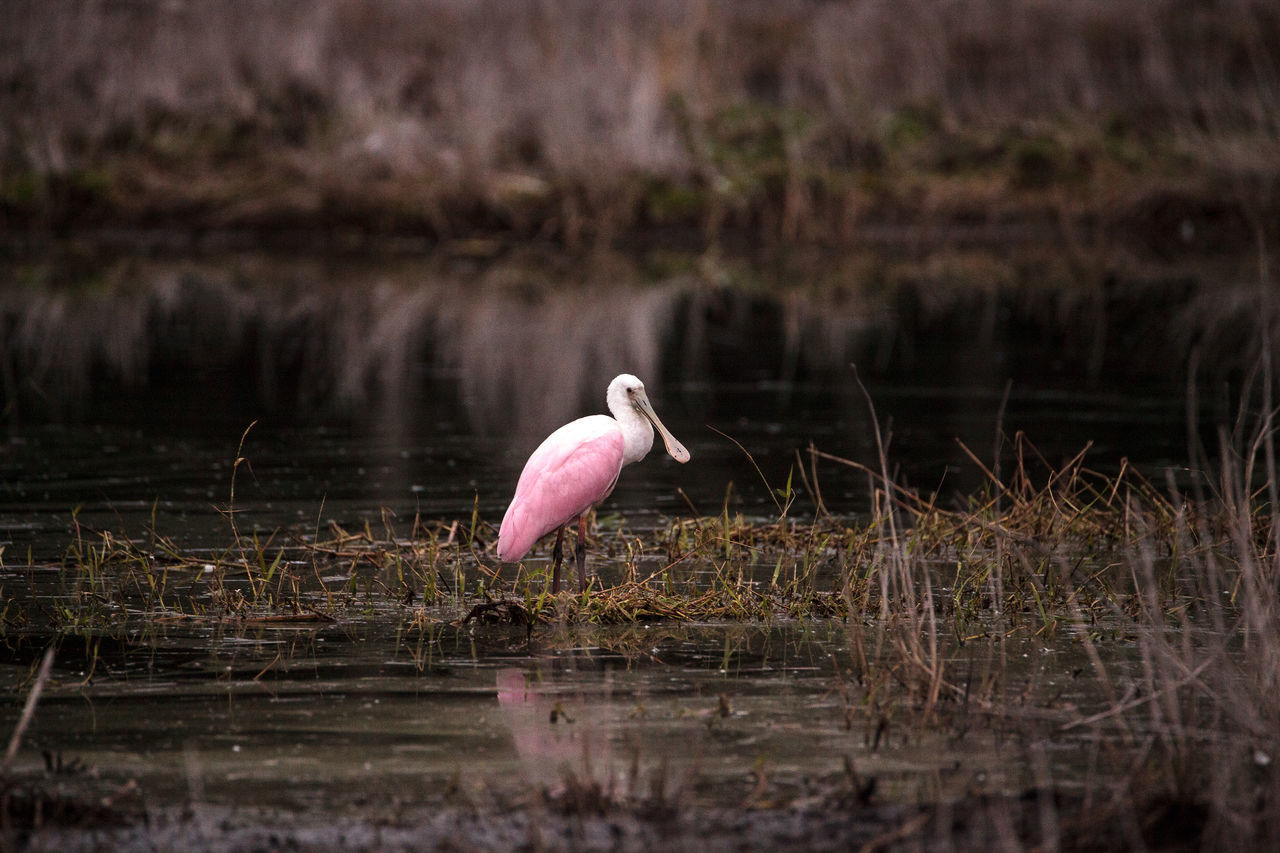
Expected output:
{"points": [[576, 468]]}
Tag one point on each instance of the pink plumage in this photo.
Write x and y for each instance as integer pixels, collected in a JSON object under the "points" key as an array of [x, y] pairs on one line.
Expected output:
{"points": [[574, 469]]}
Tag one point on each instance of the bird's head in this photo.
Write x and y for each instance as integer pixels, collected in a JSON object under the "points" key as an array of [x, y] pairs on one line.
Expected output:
{"points": [[628, 391]]}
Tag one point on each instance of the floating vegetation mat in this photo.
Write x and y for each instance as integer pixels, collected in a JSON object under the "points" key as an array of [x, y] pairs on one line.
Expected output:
{"points": [[1042, 545]]}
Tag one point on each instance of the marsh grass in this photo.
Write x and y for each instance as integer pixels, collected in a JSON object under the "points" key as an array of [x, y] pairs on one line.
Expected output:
{"points": [[1172, 595], [790, 120], [1043, 548]]}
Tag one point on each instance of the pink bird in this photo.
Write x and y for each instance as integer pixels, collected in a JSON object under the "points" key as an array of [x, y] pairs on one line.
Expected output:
{"points": [[576, 468]]}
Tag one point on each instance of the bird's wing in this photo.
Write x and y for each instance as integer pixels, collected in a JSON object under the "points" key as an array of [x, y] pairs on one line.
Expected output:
{"points": [[573, 469]]}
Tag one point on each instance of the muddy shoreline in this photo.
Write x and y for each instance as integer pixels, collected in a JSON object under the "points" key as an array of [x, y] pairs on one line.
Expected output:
{"points": [[38, 819]]}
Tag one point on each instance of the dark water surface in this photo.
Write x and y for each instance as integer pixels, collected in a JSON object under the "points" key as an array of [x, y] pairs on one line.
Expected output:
{"points": [[130, 469], [383, 392], [374, 716], [422, 385]]}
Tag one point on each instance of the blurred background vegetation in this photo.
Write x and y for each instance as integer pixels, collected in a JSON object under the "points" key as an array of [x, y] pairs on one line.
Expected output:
{"points": [[589, 123]]}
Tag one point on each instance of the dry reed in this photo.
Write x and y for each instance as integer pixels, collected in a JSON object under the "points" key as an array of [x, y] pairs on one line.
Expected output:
{"points": [[794, 119]]}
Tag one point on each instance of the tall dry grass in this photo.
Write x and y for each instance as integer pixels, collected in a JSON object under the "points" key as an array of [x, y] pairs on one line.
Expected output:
{"points": [[1187, 736], [561, 115]]}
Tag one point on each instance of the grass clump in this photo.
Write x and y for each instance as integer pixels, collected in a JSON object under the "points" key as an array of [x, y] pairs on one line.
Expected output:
{"points": [[1041, 548]]}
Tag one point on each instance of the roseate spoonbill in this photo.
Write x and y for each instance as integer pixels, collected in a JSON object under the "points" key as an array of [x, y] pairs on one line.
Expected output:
{"points": [[576, 468]]}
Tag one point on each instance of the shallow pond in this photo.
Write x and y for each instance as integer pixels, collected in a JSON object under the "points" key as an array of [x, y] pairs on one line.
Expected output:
{"points": [[131, 471], [128, 404], [421, 384], [372, 715]]}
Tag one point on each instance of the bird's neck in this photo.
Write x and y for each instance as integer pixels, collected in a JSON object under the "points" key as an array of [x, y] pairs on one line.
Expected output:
{"points": [[637, 432], [637, 435]]}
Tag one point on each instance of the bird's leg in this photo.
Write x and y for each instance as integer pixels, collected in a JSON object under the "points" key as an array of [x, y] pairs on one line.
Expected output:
{"points": [[581, 552], [557, 556]]}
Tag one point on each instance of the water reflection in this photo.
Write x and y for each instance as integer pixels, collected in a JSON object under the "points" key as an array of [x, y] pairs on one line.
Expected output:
{"points": [[520, 344], [519, 350], [421, 384], [349, 718], [553, 735]]}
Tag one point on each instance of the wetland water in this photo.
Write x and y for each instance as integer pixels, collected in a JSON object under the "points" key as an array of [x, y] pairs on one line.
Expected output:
{"points": [[387, 389], [361, 719], [422, 386]]}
